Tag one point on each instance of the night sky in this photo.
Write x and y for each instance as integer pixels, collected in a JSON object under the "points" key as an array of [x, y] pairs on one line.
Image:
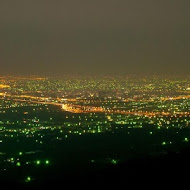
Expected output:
{"points": [[94, 36]]}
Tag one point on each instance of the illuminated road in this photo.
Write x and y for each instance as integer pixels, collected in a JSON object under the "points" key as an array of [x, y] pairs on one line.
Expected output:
{"points": [[73, 108], [4, 86], [91, 109]]}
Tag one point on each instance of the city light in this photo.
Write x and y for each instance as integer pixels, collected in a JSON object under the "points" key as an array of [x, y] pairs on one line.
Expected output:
{"points": [[38, 162], [28, 179], [66, 119], [47, 162]]}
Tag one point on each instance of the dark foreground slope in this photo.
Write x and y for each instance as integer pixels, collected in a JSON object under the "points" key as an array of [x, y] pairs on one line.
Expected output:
{"points": [[169, 169]]}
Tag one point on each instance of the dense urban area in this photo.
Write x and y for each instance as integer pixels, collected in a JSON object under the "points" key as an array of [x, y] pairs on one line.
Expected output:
{"points": [[76, 125]]}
